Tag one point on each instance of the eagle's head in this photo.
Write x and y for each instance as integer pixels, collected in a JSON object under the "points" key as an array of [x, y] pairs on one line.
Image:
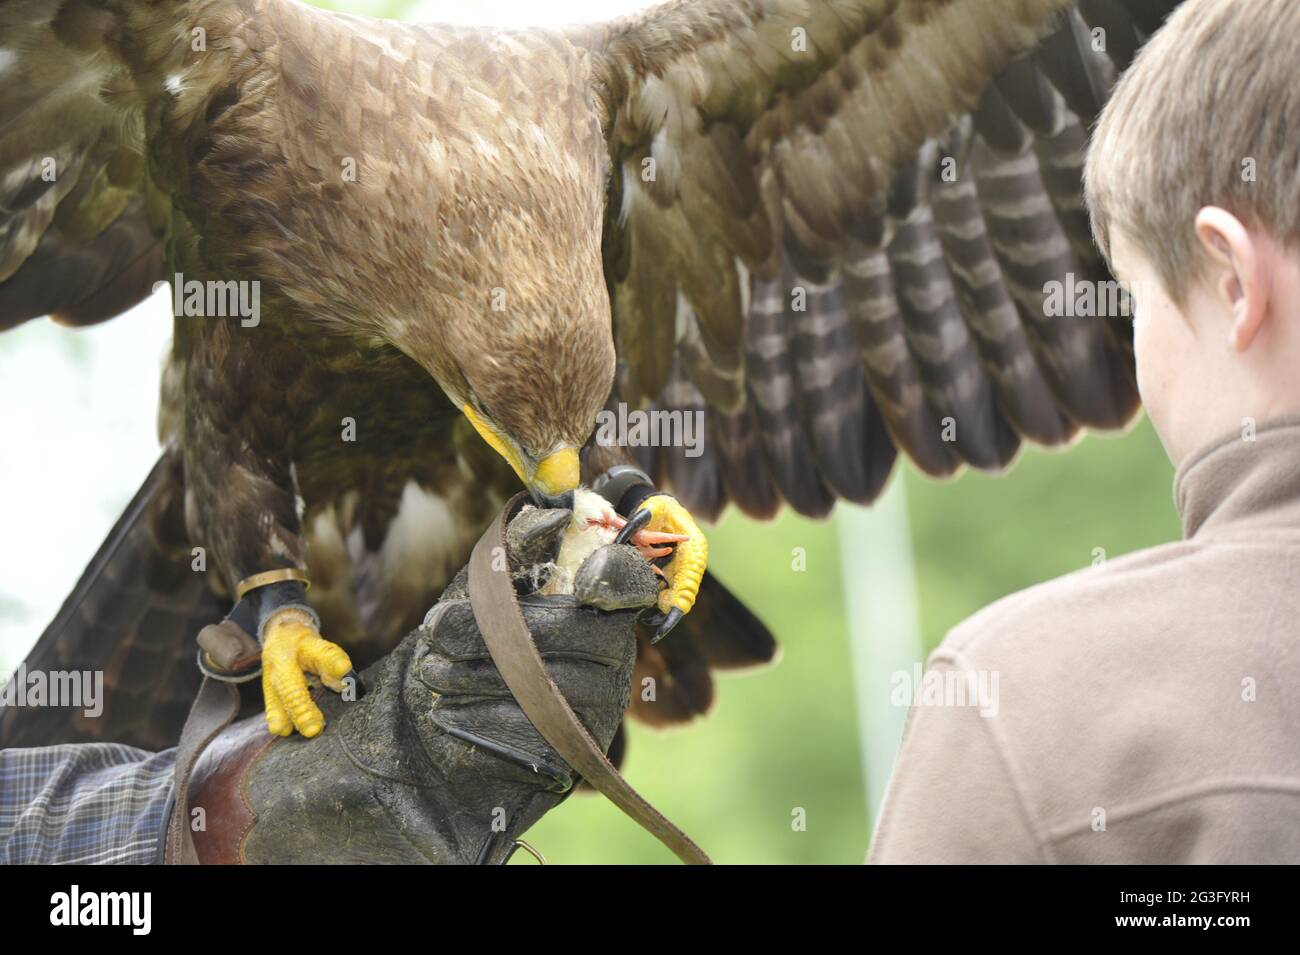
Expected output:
{"points": [[532, 384], [499, 289], [526, 350]]}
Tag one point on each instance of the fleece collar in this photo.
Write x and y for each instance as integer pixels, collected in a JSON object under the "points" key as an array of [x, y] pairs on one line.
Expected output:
{"points": [[1243, 483]]}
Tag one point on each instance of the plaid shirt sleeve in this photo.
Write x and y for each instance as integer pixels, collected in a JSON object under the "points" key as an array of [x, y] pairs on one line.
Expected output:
{"points": [[83, 803]]}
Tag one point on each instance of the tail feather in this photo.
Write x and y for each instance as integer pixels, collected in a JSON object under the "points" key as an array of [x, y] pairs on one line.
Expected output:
{"points": [[673, 682]]}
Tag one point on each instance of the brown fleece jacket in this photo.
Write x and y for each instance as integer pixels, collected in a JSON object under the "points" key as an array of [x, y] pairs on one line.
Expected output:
{"points": [[1145, 710]]}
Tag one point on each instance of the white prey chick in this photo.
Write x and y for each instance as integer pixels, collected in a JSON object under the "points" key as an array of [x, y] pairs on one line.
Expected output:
{"points": [[595, 524]]}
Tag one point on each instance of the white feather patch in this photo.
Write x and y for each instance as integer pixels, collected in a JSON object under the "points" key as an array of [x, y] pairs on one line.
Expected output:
{"points": [[589, 531]]}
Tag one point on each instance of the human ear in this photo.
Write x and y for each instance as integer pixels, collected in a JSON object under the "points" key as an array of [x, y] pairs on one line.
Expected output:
{"points": [[1238, 277]]}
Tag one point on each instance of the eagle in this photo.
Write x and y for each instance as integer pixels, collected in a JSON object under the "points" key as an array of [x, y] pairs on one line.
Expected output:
{"points": [[827, 229]]}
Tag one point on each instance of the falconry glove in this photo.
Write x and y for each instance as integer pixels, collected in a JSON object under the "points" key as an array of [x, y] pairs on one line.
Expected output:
{"points": [[436, 762]]}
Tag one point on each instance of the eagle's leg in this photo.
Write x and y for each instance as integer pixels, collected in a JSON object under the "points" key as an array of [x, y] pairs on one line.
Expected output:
{"points": [[242, 505], [654, 516], [291, 648], [690, 558], [274, 605]]}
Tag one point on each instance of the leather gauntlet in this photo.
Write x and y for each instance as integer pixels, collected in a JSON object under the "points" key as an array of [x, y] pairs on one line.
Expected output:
{"points": [[436, 762]]}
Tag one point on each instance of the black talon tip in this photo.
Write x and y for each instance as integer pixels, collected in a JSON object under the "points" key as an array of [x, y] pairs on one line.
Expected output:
{"points": [[634, 523], [651, 617], [673, 619], [355, 677]]}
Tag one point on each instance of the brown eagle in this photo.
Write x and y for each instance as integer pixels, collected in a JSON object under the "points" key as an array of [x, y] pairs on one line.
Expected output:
{"points": [[826, 226]]}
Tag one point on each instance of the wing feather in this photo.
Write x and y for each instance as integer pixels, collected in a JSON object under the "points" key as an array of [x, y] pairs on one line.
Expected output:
{"points": [[912, 169], [81, 223]]}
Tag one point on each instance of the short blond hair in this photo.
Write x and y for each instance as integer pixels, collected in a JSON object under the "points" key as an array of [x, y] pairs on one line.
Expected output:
{"points": [[1208, 114]]}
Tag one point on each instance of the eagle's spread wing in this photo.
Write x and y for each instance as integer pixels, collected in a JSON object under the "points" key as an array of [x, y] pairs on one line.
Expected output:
{"points": [[81, 223], [830, 225], [787, 246]]}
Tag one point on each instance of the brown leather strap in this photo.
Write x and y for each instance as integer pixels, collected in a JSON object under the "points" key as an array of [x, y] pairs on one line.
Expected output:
{"points": [[214, 708], [496, 609]]}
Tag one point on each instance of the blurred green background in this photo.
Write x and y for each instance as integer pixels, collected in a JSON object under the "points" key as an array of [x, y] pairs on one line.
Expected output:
{"points": [[779, 741]]}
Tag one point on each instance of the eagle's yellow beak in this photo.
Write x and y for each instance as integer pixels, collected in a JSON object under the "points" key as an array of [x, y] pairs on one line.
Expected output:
{"points": [[556, 473], [551, 482]]}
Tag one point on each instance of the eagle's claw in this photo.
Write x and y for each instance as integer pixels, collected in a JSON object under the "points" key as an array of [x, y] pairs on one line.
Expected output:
{"points": [[690, 556], [663, 623], [291, 647], [635, 524]]}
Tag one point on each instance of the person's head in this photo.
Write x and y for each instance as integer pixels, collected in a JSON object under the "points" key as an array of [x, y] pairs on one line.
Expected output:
{"points": [[1193, 185]]}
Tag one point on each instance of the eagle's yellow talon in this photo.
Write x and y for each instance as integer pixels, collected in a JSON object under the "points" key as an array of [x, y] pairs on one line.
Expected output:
{"points": [[686, 569], [277, 720], [290, 647]]}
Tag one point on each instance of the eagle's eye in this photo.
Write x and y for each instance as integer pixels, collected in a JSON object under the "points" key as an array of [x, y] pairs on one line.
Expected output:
{"points": [[482, 411]]}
